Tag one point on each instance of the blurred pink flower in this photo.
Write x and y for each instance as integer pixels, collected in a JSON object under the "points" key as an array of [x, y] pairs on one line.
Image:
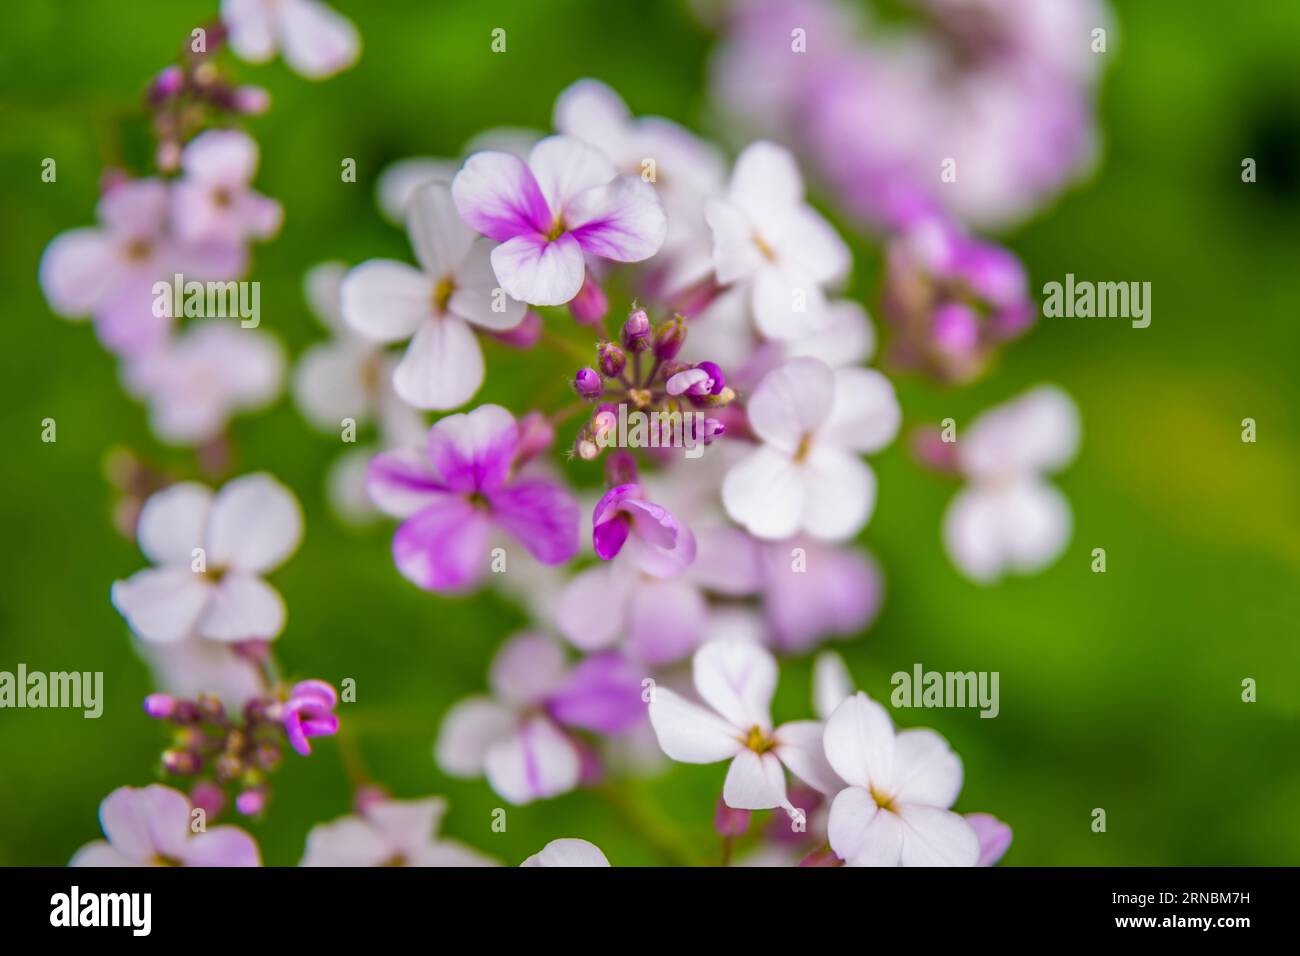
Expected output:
{"points": [[214, 201], [389, 833], [316, 41], [151, 826]]}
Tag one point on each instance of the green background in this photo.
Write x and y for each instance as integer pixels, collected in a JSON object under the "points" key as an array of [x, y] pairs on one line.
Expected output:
{"points": [[1119, 690]]}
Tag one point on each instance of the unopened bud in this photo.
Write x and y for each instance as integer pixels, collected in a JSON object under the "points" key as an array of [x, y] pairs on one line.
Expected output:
{"points": [[611, 359], [669, 338], [587, 383], [636, 331]]}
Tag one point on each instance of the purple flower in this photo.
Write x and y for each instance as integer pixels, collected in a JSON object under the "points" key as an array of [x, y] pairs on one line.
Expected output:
{"points": [[150, 826], [706, 378], [657, 542], [566, 201], [994, 837], [309, 712], [454, 494]]}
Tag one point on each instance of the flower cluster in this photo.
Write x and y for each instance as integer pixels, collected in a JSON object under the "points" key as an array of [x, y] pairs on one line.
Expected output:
{"points": [[724, 513]]}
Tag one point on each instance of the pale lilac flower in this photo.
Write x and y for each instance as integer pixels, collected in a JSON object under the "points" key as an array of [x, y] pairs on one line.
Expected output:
{"points": [[109, 271], [193, 666], [462, 485], [435, 305], [568, 852], [516, 738], [150, 826], [211, 553], [316, 40], [894, 810], [214, 201], [1008, 518], [389, 833], [766, 236], [994, 837], [566, 202], [196, 382], [309, 712], [737, 680], [812, 591], [813, 421]]}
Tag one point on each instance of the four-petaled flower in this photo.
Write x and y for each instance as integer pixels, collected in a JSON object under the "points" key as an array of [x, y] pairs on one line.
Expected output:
{"points": [[457, 490], [434, 306], [567, 201], [737, 679]]}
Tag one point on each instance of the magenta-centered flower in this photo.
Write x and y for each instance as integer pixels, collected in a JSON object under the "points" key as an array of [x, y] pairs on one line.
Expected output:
{"points": [[309, 712], [659, 543], [458, 490], [567, 201]]}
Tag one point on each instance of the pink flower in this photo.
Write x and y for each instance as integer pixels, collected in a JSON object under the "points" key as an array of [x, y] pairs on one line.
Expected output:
{"points": [[566, 201], [196, 382], [151, 826], [436, 306], [813, 421], [389, 833], [994, 837], [211, 553], [108, 272], [568, 852], [458, 490], [894, 810], [657, 543], [309, 712], [515, 738], [737, 680], [213, 201], [317, 42], [812, 591]]}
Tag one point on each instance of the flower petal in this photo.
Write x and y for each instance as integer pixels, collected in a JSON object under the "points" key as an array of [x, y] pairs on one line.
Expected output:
{"points": [[1039, 431], [865, 414], [440, 238], [764, 492], [799, 747], [541, 516], [665, 619], [839, 494], [536, 762], [476, 297], [318, 41], [386, 300], [527, 669], [754, 782], [595, 114], [934, 837], [568, 852], [925, 769], [243, 608], [539, 272], [402, 482], [993, 834], [468, 731], [172, 522], [255, 524], [146, 822], [566, 167], [162, 604], [766, 183], [738, 680], [688, 732], [498, 196], [442, 367], [398, 183], [222, 846], [623, 220], [444, 547], [860, 833], [792, 401], [832, 683], [473, 451], [735, 253], [592, 611], [78, 271], [859, 742]]}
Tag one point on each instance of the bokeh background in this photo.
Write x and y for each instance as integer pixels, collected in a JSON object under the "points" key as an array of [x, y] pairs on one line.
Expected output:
{"points": [[1119, 690]]}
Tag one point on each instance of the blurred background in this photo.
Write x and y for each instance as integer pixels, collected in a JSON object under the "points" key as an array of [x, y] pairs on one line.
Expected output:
{"points": [[1119, 690]]}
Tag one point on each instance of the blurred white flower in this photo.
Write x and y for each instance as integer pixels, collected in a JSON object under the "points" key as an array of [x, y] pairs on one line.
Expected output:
{"points": [[567, 852], [316, 40]]}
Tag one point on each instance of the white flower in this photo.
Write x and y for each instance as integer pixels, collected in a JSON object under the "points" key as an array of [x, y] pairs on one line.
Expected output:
{"points": [[764, 234], [806, 475], [317, 41], [832, 683], [568, 852], [1008, 518], [737, 679], [434, 305], [894, 810], [211, 553], [389, 833]]}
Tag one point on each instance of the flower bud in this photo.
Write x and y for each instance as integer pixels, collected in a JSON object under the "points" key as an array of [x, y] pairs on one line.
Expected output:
{"points": [[589, 306], [524, 335], [183, 763], [636, 331], [251, 802], [165, 85], [669, 338], [160, 706], [611, 359], [587, 383]]}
